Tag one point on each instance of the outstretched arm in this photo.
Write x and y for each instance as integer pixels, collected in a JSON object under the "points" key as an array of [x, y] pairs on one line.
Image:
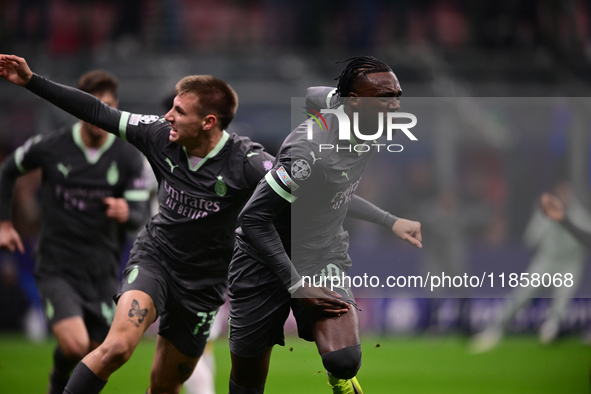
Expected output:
{"points": [[15, 70], [80, 104], [554, 209], [407, 230], [361, 209]]}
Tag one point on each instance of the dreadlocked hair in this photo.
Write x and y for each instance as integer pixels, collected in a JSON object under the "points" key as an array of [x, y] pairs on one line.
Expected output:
{"points": [[357, 68]]}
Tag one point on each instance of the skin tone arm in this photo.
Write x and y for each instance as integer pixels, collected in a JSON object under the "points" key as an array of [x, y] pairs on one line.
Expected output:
{"points": [[9, 238], [323, 300], [554, 209], [117, 209], [409, 231], [15, 69]]}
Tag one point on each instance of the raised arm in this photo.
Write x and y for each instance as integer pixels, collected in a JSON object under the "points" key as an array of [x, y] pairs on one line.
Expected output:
{"points": [[15, 70], [554, 209], [80, 104]]}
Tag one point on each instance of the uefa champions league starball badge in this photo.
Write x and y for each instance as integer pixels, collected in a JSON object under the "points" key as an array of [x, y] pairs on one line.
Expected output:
{"points": [[301, 170], [220, 187]]}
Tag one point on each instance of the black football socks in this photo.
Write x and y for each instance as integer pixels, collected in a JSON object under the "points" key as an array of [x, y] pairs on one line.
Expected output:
{"points": [[62, 367], [84, 381]]}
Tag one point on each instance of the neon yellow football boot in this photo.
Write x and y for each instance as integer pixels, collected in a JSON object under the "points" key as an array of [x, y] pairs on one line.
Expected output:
{"points": [[344, 386]]}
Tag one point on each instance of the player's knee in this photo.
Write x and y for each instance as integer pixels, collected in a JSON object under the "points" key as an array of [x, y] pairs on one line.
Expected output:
{"points": [[343, 363], [116, 352], [163, 381], [74, 349], [160, 384], [75, 353]]}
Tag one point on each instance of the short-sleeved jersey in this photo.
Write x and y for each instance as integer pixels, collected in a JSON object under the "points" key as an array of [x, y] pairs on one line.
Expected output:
{"points": [[77, 240], [198, 205], [319, 184]]}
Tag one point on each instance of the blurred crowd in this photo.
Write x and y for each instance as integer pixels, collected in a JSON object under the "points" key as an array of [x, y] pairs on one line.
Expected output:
{"points": [[67, 26]]}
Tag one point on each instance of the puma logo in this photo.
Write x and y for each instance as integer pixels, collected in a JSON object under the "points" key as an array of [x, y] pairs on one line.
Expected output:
{"points": [[346, 174], [172, 167], [314, 158], [63, 169]]}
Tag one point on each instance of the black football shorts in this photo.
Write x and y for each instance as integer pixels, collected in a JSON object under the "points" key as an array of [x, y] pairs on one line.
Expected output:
{"points": [[61, 300], [260, 305], [186, 316]]}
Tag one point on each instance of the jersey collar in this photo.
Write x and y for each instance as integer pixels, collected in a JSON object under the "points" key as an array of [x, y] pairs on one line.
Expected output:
{"points": [[214, 151], [77, 135]]}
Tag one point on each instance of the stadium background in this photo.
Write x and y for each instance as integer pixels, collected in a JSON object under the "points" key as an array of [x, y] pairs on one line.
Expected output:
{"points": [[272, 50]]}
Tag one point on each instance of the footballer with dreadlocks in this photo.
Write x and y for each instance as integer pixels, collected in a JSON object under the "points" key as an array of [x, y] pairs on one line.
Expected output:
{"points": [[292, 227]]}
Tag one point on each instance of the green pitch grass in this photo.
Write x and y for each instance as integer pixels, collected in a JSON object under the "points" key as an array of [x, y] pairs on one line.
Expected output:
{"points": [[416, 365]]}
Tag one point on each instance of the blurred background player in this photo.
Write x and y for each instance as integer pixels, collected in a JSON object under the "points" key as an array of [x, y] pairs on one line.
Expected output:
{"points": [[556, 251], [92, 191], [554, 208]]}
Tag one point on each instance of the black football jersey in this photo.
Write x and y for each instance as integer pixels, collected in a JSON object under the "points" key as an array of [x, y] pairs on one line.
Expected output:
{"points": [[76, 239], [319, 185], [198, 205]]}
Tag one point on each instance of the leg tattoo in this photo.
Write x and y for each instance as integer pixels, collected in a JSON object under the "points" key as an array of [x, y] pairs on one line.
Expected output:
{"points": [[136, 311]]}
